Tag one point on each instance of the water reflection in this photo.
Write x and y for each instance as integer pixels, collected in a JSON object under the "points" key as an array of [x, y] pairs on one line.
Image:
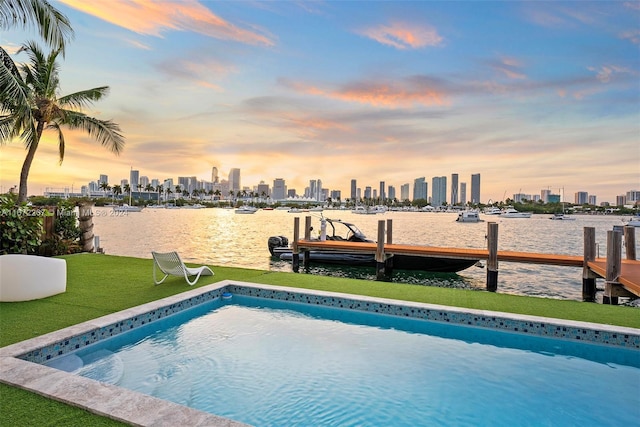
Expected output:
{"points": [[221, 237]]}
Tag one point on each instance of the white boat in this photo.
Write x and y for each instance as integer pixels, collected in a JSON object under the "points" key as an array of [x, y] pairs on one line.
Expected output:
{"points": [[493, 210], [194, 206], [127, 208], [562, 217], [246, 210], [510, 212], [366, 210], [469, 216], [634, 222]]}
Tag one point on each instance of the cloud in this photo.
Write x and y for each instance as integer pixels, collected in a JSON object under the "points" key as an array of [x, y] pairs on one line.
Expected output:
{"points": [[153, 18], [415, 90], [199, 72], [510, 67], [632, 35], [403, 36], [606, 72]]}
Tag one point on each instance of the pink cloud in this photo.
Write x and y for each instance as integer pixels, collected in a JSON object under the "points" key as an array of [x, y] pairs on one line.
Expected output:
{"points": [[404, 36], [402, 93], [153, 17]]}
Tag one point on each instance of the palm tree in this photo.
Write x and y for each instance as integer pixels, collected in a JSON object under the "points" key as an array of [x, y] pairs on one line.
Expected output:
{"points": [[127, 189], [54, 27], [116, 191], [29, 104]]}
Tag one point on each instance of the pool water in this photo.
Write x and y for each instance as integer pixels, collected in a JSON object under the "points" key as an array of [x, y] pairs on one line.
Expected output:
{"points": [[275, 363]]}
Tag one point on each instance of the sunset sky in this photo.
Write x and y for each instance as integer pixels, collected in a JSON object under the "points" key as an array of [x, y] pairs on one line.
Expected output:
{"points": [[532, 95]]}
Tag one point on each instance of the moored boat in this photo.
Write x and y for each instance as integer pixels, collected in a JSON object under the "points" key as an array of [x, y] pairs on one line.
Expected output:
{"points": [[127, 208], [246, 210], [511, 212], [338, 230], [469, 216], [493, 210], [562, 217], [634, 222]]}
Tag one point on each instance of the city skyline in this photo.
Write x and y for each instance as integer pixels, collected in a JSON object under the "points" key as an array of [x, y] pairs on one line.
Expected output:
{"points": [[383, 91], [414, 190]]}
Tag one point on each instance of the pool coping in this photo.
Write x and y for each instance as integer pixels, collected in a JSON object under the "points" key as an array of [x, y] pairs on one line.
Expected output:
{"points": [[139, 409]]}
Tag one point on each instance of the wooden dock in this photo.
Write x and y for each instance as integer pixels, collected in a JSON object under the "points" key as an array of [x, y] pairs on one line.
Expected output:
{"points": [[622, 276]]}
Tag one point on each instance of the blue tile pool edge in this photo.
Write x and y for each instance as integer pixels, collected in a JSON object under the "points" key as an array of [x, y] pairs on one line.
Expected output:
{"points": [[19, 362], [75, 337]]}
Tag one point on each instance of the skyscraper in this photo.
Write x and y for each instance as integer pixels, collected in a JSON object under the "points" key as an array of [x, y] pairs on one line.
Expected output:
{"points": [[214, 175], [419, 189], [234, 180], [475, 188], [438, 191], [454, 188], [279, 189], [404, 192], [383, 194], [353, 190], [134, 179], [463, 193]]}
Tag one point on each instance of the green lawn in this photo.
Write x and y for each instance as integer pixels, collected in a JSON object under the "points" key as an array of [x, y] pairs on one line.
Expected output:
{"points": [[103, 284]]}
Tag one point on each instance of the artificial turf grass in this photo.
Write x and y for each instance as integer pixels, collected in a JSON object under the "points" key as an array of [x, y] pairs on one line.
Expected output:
{"points": [[101, 284], [23, 408]]}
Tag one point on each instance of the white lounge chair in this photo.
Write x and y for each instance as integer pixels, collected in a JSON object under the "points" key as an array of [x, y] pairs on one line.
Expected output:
{"points": [[171, 265]]}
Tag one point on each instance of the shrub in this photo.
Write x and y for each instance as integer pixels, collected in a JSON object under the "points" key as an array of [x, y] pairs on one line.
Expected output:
{"points": [[21, 226]]}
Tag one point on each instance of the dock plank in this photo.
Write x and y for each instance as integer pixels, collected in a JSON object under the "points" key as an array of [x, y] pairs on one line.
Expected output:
{"points": [[629, 277]]}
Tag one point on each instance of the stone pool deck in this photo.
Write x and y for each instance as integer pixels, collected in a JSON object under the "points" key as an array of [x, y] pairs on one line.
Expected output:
{"points": [[20, 363]]}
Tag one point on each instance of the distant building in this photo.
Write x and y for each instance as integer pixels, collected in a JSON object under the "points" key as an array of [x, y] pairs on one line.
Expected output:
{"points": [[367, 192], [454, 188], [438, 190], [392, 192], [581, 198], [633, 197], [279, 189], [463, 193], [419, 188], [214, 175], [592, 200], [134, 179], [354, 187], [553, 198], [383, 194], [544, 195], [234, 180], [621, 200], [475, 188], [263, 190], [404, 192]]}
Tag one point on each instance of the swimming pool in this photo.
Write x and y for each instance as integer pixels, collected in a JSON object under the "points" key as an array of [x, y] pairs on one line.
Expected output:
{"points": [[458, 366]]}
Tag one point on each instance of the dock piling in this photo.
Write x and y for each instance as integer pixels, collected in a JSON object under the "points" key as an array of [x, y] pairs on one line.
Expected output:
{"points": [[614, 265], [388, 263], [630, 242], [492, 261], [294, 245], [588, 276], [380, 256], [306, 257]]}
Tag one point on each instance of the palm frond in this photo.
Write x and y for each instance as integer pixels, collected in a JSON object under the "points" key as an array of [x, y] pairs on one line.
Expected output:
{"points": [[53, 26], [83, 98], [55, 126], [13, 90], [106, 132]]}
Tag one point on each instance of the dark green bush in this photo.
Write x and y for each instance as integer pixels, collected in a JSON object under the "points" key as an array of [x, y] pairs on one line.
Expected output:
{"points": [[20, 226]]}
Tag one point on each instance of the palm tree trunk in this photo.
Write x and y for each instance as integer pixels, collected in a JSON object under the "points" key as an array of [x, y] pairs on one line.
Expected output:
{"points": [[26, 166]]}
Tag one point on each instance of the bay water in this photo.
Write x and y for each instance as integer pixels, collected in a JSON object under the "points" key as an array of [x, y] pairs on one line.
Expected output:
{"points": [[220, 237]]}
